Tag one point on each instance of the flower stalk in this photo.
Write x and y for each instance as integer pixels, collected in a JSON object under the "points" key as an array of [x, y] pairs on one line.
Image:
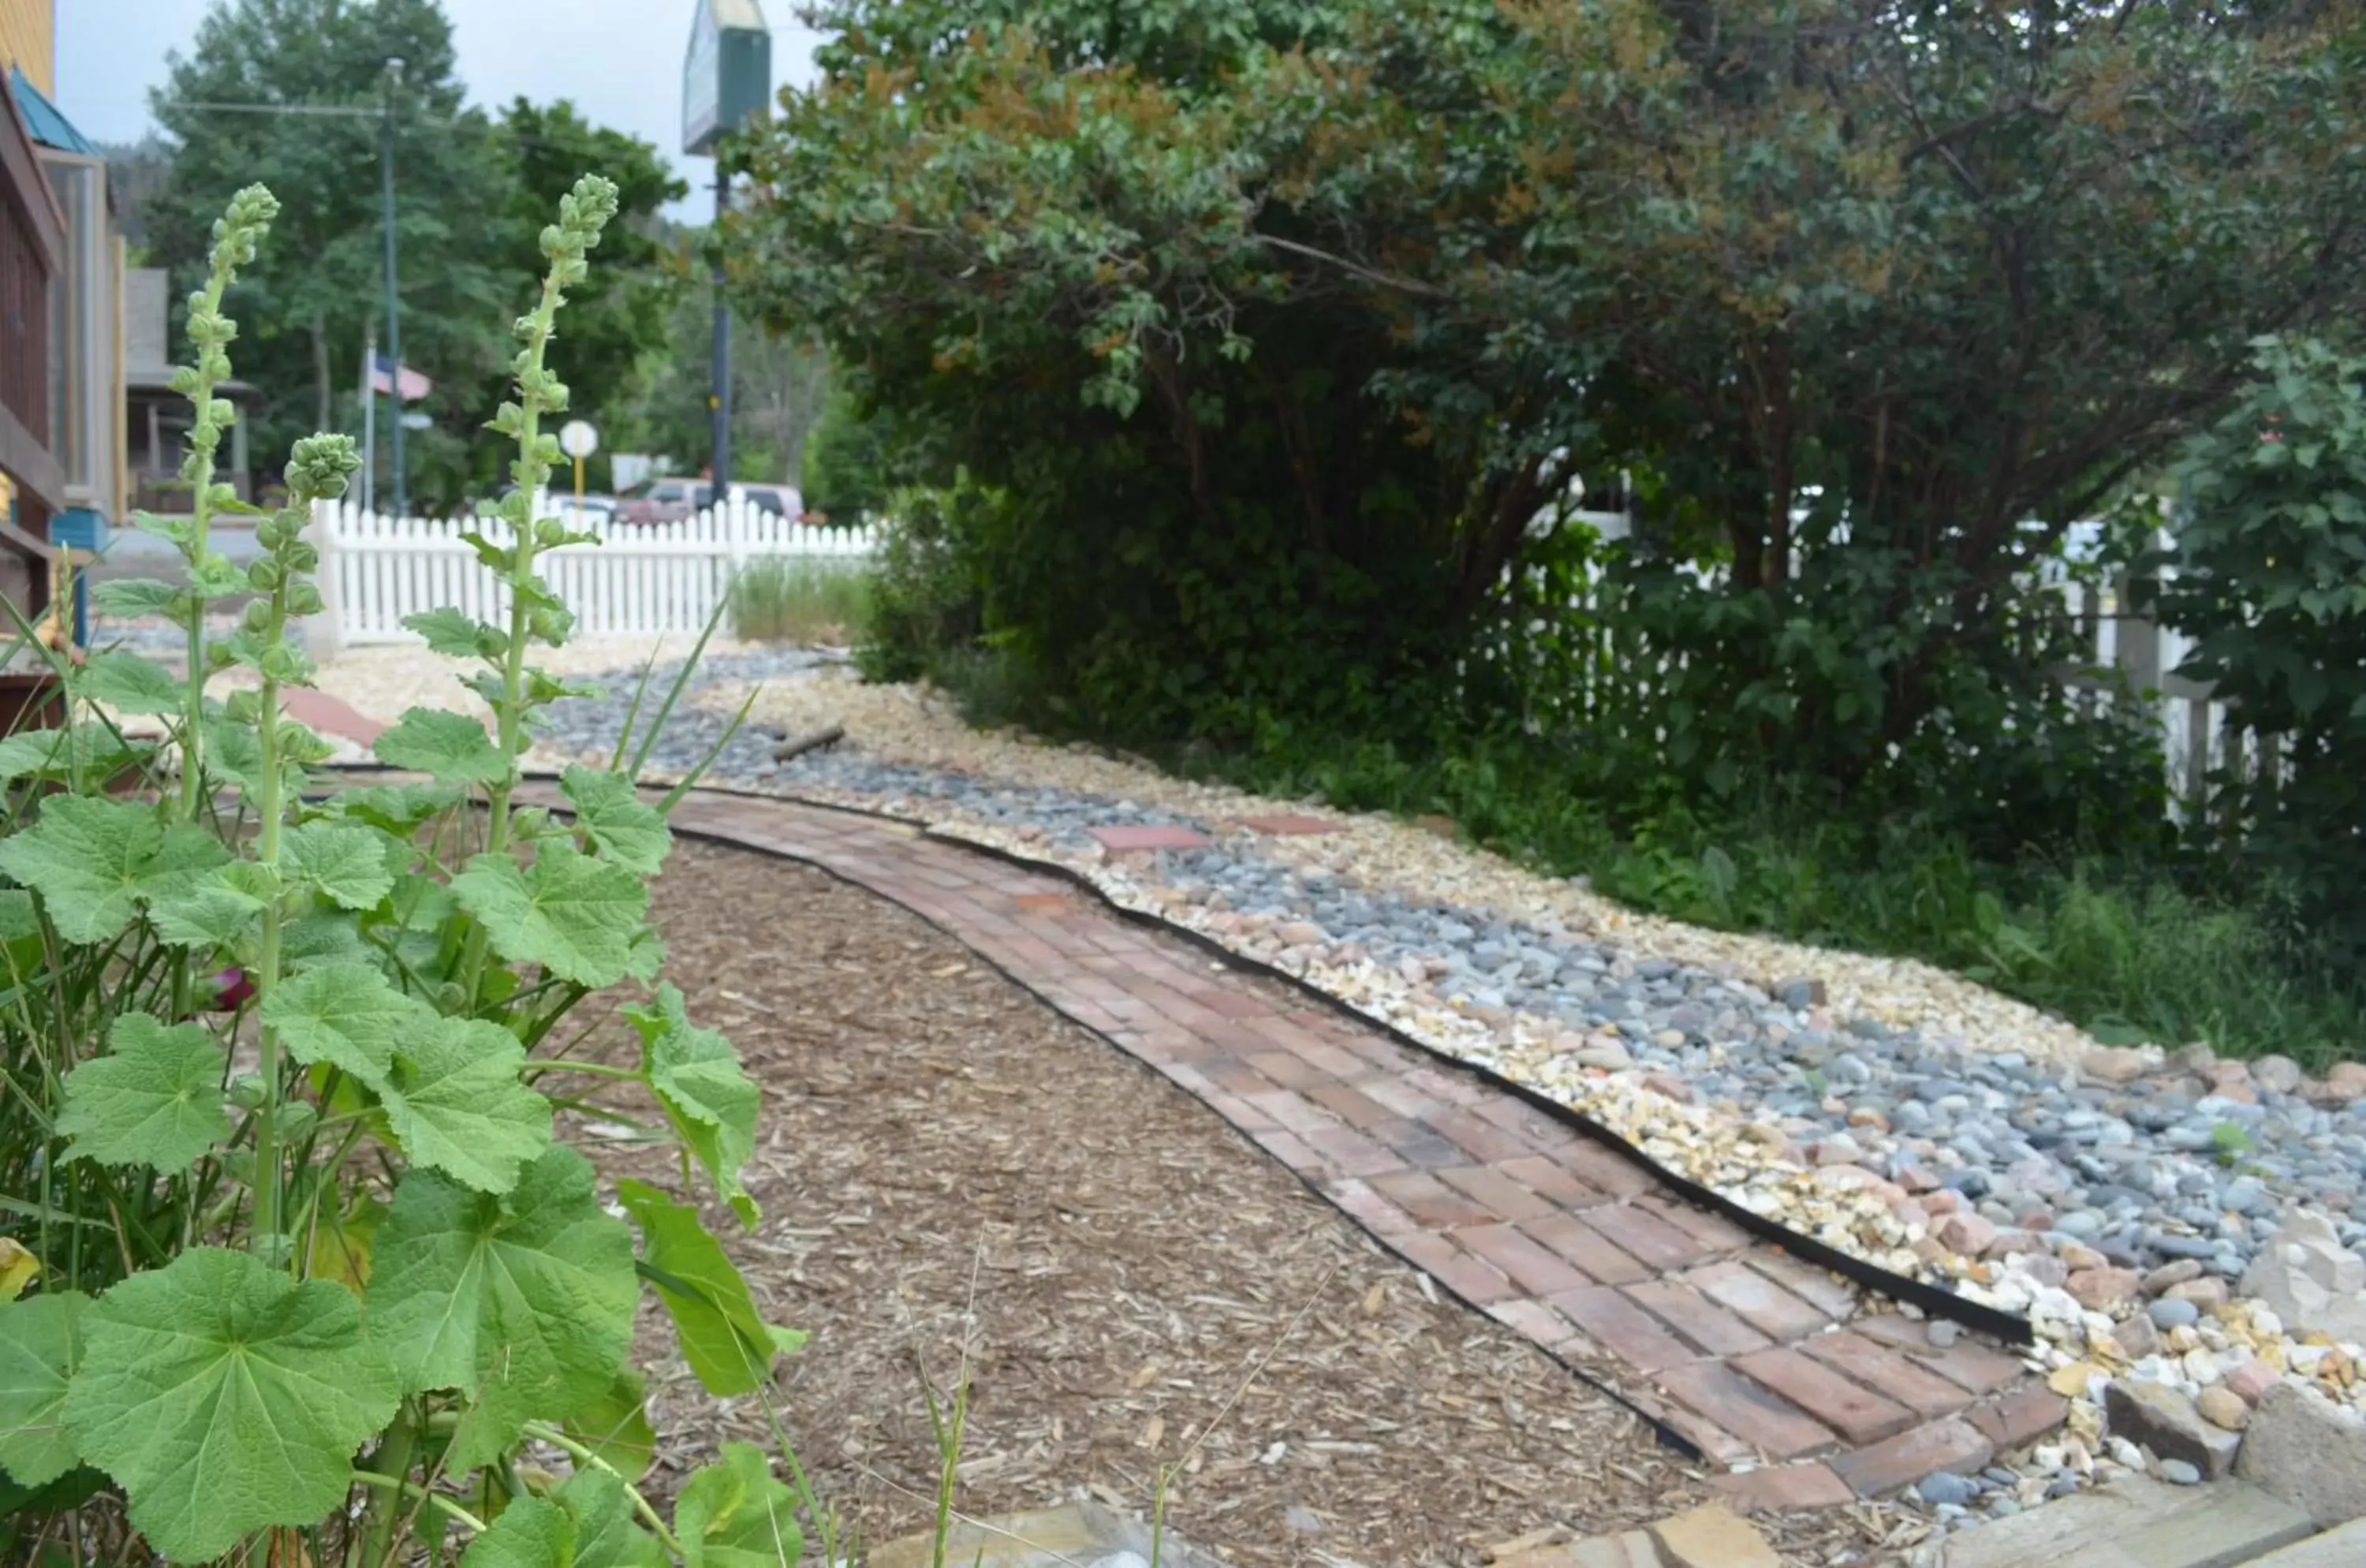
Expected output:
{"points": [[316, 472], [535, 612], [236, 234]]}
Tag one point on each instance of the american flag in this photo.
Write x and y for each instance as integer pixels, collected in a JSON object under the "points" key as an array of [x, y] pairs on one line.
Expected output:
{"points": [[384, 378]]}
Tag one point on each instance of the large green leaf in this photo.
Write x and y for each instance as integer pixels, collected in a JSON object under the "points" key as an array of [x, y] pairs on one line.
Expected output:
{"points": [[617, 1426], [155, 1098], [451, 747], [342, 862], [734, 1514], [607, 1535], [724, 1338], [533, 1532], [94, 749], [573, 915], [323, 936], [455, 632], [213, 911], [455, 1101], [523, 1304], [40, 1345], [400, 808], [349, 1016], [135, 598], [618, 823], [235, 752], [124, 680], [706, 1095], [225, 1396], [93, 861]]}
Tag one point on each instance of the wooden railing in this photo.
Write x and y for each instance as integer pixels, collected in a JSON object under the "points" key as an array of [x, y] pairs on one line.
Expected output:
{"points": [[32, 249]]}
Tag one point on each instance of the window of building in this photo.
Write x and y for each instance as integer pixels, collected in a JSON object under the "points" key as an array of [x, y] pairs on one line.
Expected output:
{"points": [[74, 294]]}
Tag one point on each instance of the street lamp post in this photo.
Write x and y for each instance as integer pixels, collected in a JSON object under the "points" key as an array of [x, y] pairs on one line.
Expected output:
{"points": [[393, 308], [726, 79]]}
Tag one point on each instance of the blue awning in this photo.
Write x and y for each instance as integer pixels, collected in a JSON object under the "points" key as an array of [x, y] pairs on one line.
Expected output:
{"points": [[49, 128]]}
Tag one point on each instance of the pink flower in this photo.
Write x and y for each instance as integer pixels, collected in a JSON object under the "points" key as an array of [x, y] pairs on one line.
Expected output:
{"points": [[232, 989]]}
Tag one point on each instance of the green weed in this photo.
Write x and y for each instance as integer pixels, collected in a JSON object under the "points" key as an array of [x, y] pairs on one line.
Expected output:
{"points": [[786, 600]]}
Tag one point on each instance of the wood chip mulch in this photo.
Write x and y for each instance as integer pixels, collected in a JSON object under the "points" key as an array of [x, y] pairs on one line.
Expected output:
{"points": [[954, 1175]]}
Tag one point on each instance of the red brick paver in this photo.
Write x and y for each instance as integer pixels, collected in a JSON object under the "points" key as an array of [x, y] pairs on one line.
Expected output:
{"points": [[1722, 1337], [1124, 839], [330, 716], [1289, 826]]}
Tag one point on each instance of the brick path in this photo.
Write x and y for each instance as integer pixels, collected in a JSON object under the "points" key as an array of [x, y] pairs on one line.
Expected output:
{"points": [[1722, 1338]]}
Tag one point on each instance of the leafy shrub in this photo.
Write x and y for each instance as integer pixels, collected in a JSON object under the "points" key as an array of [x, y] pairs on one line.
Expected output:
{"points": [[1670, 687], [925, 611], [2269, 576], [300, 1224]]}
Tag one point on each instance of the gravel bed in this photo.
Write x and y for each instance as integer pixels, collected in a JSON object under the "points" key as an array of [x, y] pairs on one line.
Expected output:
{"points": [[2163, 1167]]}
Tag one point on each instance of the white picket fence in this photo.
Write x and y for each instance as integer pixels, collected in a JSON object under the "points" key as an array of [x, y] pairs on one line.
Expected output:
{"points": [[635, 581]]}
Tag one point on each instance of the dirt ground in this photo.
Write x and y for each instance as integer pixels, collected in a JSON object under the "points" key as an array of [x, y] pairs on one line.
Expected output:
{"points": [[952, 1174]]}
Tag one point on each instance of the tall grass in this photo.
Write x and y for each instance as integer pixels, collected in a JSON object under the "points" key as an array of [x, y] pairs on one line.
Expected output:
{"points": [[786, 600]]}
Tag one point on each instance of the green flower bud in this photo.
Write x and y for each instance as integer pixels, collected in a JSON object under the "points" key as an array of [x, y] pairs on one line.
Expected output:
{"points": [[319, 464]]}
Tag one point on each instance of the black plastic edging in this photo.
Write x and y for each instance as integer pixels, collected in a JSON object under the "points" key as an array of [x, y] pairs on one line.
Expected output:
{"points": [[1932, 1299]]}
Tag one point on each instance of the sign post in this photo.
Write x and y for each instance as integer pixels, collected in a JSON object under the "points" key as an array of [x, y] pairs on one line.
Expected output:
{"points": [[726, 79], [579, 441]]}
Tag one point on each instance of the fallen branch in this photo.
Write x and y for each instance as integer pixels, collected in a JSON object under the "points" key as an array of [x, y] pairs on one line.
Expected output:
{"points": [[805, 743]]}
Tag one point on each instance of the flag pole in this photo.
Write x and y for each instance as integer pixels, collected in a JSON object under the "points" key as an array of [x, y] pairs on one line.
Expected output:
{"points": [[369, 422]]}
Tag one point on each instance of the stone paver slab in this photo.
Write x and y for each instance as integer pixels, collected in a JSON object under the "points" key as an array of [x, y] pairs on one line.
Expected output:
{"points": [[2344, 1547], [1712, 1535], [2134, 1522]]}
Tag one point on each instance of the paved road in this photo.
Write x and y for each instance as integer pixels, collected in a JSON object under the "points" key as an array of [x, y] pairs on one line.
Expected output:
{"points": [[133, 554]]}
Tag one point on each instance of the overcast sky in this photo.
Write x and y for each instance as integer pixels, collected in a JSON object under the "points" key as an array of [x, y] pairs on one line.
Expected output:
{"points": [[620, 60]]}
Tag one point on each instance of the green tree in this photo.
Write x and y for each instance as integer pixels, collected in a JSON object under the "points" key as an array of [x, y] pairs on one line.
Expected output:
{"points": [[619, 321], [1099, 259], [1272, 316], [311, 302], [471, 196], [778, 380], [2269, 546], [848, 462]]}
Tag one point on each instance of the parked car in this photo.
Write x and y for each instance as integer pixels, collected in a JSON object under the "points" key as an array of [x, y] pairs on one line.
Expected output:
{"points": [[779, 500], [667, 499], [596, 508]]}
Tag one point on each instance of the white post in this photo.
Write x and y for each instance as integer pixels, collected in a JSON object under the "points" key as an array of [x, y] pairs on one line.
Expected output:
{"points": [[324, 634], [2138, 644], [735, 548]]}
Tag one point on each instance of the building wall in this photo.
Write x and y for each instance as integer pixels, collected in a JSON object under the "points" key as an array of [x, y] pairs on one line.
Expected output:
{"points": [[28, 40]]}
